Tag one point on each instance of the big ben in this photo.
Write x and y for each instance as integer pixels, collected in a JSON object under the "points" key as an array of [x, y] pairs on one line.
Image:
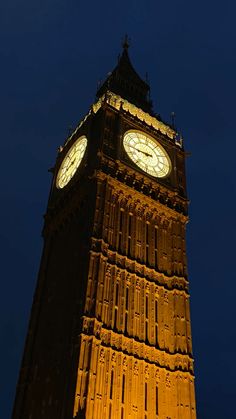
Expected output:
{"points": [[109, 334]]}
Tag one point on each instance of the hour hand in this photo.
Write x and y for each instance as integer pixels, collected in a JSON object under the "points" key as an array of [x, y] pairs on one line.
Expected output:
{"points": [[144, 152], [141, 151]]}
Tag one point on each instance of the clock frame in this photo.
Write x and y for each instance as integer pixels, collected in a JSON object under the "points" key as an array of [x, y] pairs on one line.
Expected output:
{"points": [[147, 153], [71, 162]]}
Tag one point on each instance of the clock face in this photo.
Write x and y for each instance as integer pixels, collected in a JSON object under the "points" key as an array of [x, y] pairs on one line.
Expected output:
{"points": [[147, 153], [71, 162]]}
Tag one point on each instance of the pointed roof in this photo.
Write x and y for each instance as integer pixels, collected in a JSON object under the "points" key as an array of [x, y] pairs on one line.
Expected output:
{"points": [[125, 82]]}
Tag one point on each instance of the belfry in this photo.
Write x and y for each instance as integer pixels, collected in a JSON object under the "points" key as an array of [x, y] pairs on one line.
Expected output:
{"points": [[109, 335]]}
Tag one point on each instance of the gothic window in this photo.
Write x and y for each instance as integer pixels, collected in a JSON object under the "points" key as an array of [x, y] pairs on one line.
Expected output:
{"points": [[164, 241], [126, 322], [139, 226], [146, 320], [146, 329], [156, 334], [115, 319], [147, 243], [127, 299], [110, 410], [111, 385], [147, 233], [146, 307], [117, 294], [126, 309], [123, 389], [155, 245], [116, 300], [129, 234], [86, 383], [137, 300], [121, 219], [156, 400], [156, 322], [156, 311], [145, 398]]}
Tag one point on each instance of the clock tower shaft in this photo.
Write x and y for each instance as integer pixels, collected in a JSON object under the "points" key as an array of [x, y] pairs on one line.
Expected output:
{"points": [[109, 334]]}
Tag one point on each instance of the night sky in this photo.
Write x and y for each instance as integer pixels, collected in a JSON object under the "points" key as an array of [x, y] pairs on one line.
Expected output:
{"points": [[53, 53]]}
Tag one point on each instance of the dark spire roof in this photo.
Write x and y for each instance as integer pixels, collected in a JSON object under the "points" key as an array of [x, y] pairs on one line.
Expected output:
{"points": [[125, 82]]}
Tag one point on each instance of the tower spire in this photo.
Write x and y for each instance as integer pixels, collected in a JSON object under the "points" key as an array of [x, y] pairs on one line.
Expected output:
{"points": [[125, 81], [126, 42]]}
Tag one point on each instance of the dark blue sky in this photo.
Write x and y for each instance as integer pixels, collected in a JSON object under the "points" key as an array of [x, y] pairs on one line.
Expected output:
{"points": [[52, 55]]}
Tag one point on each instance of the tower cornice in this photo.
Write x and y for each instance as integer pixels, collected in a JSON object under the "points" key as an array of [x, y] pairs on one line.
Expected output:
{"points": [[167, 201], [123, 105]]}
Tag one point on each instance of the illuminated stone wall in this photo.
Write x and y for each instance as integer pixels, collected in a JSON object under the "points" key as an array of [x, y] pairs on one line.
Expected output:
{"points": [[136, 351]]}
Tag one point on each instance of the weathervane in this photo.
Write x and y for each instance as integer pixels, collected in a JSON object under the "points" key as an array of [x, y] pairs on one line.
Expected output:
{"points": [[173, 115]]}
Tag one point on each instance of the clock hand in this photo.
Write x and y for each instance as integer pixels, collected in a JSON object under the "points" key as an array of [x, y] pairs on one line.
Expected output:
{"points": [[71, 164], [144, 152], [141, 151]]}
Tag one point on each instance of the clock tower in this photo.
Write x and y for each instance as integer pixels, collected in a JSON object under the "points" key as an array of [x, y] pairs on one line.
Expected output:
{"points": [[109, 334]]}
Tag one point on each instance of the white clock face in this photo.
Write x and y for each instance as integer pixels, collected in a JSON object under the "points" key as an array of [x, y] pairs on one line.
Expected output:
{"points": [[71, 162], [147, 153]]}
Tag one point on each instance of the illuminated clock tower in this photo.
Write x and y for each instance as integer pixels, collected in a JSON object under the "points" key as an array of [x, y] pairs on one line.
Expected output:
{"points": [[109, 335]]}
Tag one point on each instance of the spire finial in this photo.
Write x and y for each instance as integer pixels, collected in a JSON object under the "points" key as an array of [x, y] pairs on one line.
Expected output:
{"points": [[126, 42]]}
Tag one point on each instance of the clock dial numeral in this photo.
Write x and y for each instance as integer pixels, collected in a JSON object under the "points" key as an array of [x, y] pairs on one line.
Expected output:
{"points": [[147, 153], [71, 162]]}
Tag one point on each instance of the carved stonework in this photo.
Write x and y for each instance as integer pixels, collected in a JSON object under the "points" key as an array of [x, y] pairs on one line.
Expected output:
{"points": [[102, 356], [177, 286], [147, 287], [125, 363], [182, 362], [136, 368], [138, 287], [166, 299], [146, 372], [168, 382], [157, 375], [113, 358], [97, 328], [176, 208]]}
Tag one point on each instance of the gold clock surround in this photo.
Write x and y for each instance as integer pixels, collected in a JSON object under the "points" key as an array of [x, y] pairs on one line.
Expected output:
{"points": [[71, 162], [147, 153]]}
